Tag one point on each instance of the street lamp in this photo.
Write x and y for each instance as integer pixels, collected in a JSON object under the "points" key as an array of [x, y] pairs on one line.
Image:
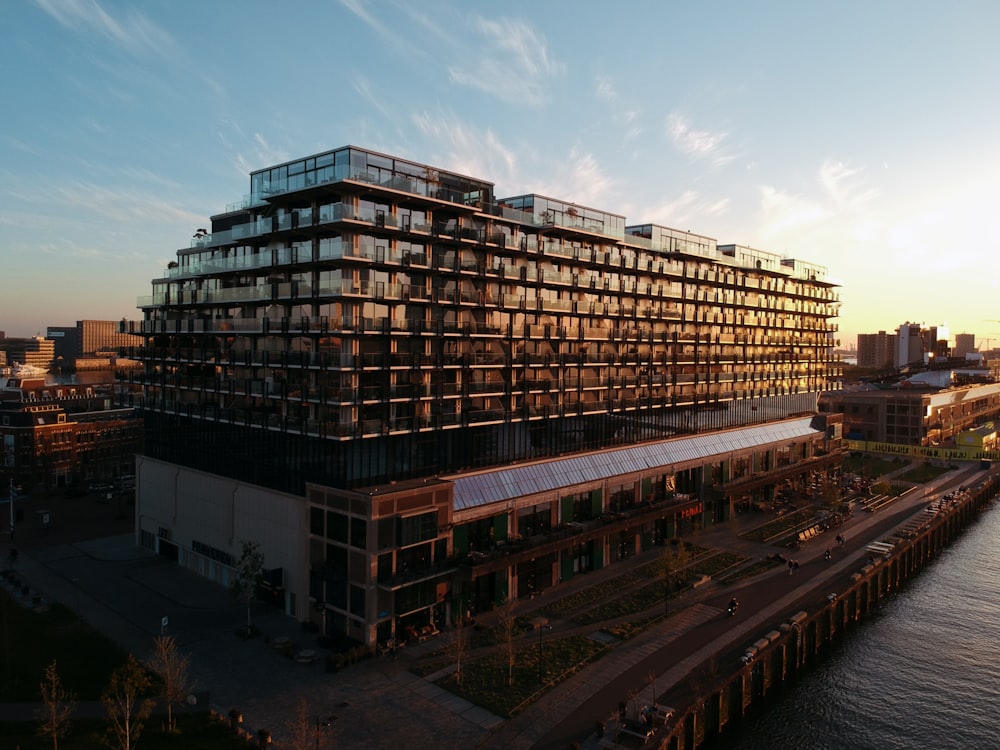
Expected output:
{"points": [[13, 495], [541, 627], [323, 723]]}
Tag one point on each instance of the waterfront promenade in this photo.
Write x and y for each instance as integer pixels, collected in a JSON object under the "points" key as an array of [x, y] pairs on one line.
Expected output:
{"points": [[125, 592]]}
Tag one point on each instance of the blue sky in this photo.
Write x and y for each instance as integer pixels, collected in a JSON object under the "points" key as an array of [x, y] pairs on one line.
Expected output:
{"points": [[864, 136]]}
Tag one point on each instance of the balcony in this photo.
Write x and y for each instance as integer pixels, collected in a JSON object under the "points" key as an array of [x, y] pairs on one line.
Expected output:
{"points": [[566, 535]]}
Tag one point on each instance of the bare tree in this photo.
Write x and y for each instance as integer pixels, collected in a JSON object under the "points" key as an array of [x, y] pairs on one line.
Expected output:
{"points": [[173, 668], [458, 645], [57, 707], [249, 570], [127, 707], [507, 617], [674, 562], [299, 730]]}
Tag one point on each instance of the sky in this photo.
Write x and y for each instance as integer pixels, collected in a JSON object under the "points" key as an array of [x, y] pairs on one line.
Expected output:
{"points": [[862, 136]]}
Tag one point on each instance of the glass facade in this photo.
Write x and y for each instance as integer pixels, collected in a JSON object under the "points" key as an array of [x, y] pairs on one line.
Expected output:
{"points": [[362, 318]]}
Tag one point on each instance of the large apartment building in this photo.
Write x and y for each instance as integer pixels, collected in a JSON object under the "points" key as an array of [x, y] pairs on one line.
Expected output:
{"points": [[378, 368], [875, 350]]}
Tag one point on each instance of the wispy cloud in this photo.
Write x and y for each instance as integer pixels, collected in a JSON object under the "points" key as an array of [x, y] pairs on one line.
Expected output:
{"points": [[363, 86], [132, 31], [782, 211], [396, 41], [19, 145], [514, 63], [264, 154], [841, 195], [606, 89], [581, 179], [471, 151], [698, 144], [123, 205], [840, 185], [688, 211]]}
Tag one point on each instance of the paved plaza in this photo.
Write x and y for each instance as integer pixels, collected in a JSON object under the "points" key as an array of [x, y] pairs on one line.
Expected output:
{"points": [[126, 591]]}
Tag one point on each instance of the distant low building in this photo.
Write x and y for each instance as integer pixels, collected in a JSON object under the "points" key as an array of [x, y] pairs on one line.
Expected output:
{"points": [[35, 352], [913, 416], [54, 436], [90, 344], [965, 344], [983, 438]]}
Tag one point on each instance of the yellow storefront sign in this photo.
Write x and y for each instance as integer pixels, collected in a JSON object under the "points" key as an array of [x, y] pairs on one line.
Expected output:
{"points": [[923, 451]]}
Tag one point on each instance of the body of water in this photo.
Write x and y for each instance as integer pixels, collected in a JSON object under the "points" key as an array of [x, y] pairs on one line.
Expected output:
{"points": [[923, 672]]}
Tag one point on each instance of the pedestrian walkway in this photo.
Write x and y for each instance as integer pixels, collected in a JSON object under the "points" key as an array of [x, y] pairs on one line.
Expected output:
{"points": [[125, 591]]}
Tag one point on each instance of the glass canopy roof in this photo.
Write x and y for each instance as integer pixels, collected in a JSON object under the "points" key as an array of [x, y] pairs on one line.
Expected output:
{"points": [[484, 488]]}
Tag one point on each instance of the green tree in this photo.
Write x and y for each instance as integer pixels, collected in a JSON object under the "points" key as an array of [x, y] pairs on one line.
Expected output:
{"points": [[57, 707], [173, 668], [249, 570], [127, 706], [830, 492]]}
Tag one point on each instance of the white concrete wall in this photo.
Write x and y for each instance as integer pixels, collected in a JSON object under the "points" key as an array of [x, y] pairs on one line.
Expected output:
{"points": [[222, 513]]}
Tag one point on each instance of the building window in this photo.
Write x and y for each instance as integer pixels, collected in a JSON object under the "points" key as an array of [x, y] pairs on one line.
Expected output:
{"points": [[416, 529], [316, 521], [359, 533], [336, 526], [357, 601]]}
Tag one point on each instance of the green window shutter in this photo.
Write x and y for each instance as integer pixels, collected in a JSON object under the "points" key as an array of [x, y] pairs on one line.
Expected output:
{"points": [[595, 499], [460, 539], [566, 514], [647, 489]]}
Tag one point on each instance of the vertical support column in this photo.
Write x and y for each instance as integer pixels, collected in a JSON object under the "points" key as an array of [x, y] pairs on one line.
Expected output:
{"points": [[713, 721]]}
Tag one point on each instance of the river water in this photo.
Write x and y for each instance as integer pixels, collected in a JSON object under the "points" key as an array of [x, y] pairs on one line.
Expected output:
{"points": [[923, 672]]}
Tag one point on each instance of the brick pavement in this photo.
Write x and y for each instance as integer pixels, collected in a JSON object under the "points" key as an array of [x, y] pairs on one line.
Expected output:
{"points": [[377, 703]]}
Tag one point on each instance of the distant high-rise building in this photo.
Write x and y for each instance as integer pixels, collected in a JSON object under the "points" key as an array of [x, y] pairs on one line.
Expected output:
{"points": [[90, 337], [875, 349], [67, 342], [917, 343], [965, 343]]}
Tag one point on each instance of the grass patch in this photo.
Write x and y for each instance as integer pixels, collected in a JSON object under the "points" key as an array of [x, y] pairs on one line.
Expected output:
{"points": [[484, 681], [871, 466], [643, 598], [923, 473], [569, 606], [29, 641], [194, 732], [633, 602], [586, 597]]}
